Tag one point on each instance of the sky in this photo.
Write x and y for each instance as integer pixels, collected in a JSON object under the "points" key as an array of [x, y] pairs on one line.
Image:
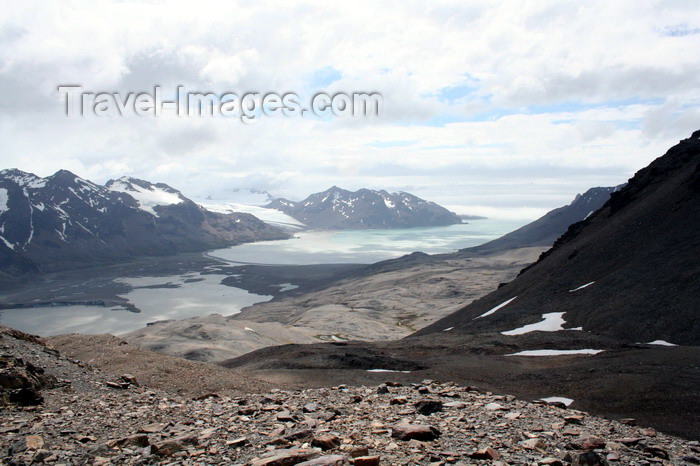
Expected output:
{"points": [[503, 109]]}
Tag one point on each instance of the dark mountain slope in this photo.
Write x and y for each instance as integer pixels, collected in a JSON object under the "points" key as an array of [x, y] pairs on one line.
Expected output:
{"points": [[641, 252], [338, 209], [545, 230]]}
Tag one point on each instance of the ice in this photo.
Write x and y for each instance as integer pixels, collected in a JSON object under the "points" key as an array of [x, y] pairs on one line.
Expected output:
{"points": [[582, 287], [272, 216], [553, 321], [552, 352], [560, 399], [503, 304]]}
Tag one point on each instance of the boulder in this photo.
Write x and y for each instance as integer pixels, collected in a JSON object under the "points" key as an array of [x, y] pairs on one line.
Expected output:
{"points": [[415, 432]]}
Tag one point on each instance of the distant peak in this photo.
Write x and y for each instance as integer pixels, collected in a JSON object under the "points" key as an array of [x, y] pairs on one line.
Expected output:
{"points": [[14, 171], [64, 174]]}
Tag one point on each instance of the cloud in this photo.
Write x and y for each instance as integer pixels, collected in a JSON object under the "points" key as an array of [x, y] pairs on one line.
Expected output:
{"points": [[570, 94]]}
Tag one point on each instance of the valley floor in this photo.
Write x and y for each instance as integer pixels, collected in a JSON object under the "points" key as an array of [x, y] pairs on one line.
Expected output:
{"points": [[386, 305]]}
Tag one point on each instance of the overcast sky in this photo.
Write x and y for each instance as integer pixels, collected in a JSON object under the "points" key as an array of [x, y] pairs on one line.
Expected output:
{"points": [[497, 108]]}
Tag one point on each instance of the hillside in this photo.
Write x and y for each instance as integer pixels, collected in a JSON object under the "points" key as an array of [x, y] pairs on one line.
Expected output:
{"points": [[338, 209], [92, 413], [545, 230], [629, 271]]}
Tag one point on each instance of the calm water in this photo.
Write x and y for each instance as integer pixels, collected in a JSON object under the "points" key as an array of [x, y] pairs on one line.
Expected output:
{"points": [[194, 294], [183, 296], [366, 246]]}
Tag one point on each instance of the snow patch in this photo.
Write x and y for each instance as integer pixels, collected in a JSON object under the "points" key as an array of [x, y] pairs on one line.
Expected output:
{"points": [[387, 370], [146, 198], [287, 287], [492, 310], [4, 197], [558, 399], [27, 180], [661, 343], [552, 352], [553, 322], [582, 287], [448, 329], [7, 243]]}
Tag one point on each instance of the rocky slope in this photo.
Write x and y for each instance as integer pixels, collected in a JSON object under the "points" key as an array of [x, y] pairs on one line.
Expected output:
{"points": [[545, 230], [338, 209], [629, 271], [96, 418], [63, 221]]}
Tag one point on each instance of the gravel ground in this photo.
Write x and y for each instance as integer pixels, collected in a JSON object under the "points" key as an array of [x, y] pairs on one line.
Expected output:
{"points": [[99, 418]]}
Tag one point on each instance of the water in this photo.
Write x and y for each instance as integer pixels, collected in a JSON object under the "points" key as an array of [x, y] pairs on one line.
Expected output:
{"points": [[158, 298], [195, 294], [365, 246]]}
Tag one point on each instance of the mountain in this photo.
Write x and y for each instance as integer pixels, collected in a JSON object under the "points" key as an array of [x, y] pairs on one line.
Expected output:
{"points": [[545, 230], [337, 209], [629, 271], [63, 221], [607, 318]]}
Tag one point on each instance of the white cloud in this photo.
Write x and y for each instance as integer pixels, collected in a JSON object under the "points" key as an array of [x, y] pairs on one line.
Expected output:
{"points": [[573, 94]]}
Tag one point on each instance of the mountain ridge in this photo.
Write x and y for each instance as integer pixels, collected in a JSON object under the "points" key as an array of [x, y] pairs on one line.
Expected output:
{"points": [[337, 208], [637, 251], [64, 221]]}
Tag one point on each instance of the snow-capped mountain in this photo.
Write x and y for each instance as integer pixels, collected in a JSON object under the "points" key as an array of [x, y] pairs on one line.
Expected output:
{"points": [[64, 221], [338, 208], [149, 196]]}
